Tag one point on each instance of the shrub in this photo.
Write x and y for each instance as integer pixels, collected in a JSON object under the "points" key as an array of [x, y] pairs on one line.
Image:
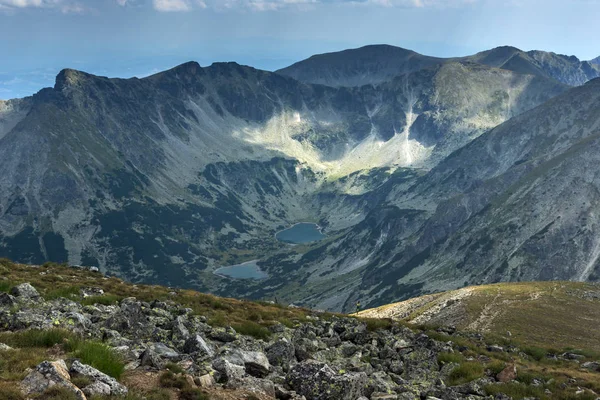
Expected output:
{"points": [[377, 324], [253, 329], [515, 390], [445, 358], [174, 368], [496, 366], [170, 380], [466, 372], [97, 355], [536, 353], [5, 286], [36, 338], [68, 292]]}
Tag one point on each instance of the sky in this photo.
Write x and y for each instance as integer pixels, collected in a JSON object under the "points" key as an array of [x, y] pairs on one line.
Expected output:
{"points": [[125, 38]]}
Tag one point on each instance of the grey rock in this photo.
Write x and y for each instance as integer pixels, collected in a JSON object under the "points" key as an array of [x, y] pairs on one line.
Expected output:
{"points": [[25, 291], [6, 300], [48, 374], [281, 353], [316, 380], [198, 346], [79, 369]]}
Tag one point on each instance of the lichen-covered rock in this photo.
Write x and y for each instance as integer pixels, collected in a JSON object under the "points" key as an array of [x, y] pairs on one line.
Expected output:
{"points": [[46, 375], [115, 388], [197, 345], [281, 353], [317, 381], [25, 291]]}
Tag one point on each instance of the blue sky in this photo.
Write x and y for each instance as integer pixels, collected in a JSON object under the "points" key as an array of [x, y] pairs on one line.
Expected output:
{"points": [[127, 38]]}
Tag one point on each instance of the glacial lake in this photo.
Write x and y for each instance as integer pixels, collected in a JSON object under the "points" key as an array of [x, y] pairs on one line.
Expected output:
{"points": [[304, 232], [247, 270]]}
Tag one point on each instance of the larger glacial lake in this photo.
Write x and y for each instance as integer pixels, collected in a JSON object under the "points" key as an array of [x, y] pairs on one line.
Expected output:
{"points": [[247, 270], [304, 232]]}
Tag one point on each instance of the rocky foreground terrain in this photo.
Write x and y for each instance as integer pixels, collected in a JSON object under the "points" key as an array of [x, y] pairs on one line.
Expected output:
{"points": [[76, 334]]}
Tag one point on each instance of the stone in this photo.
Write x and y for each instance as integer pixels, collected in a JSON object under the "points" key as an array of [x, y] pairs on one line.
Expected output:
{"points": [[256, 363], [97, 389], [384, 396], [90, 292], [150, 358], [197, 345], [495, 349], [508, 374], [281, 353], [222, 335], [79, 369], [227, 370], [6, 300], [205, 381], [4, 347], [591, 365], [48, 374], [316, 380], [25, 291]]}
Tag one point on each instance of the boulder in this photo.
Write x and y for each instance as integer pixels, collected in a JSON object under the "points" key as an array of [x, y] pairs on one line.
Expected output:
{"points": [[223, 335], [46, 375], [198, 346], [316, 380], [205, 381], [281, 353], [256, 363], [508, 374], [227, 370], [115, 388], [6, 300], [25, 291]]}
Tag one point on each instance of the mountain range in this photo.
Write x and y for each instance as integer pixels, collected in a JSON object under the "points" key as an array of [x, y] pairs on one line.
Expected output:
{"points": [[425, 173]]}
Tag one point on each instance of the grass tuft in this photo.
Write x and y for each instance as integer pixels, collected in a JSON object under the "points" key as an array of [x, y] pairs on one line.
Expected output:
{"points": [[466, 372], [253, 329], [97, 355]]}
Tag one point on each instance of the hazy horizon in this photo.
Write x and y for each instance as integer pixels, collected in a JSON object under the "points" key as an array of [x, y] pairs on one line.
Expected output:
{"points": [[126, 38]]}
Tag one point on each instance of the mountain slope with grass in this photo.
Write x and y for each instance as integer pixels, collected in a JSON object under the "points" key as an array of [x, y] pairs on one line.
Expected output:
{"points": [[70, 333]]}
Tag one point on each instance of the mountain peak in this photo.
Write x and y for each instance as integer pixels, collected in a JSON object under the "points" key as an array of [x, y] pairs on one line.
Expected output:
{"points": [[70, 77]]}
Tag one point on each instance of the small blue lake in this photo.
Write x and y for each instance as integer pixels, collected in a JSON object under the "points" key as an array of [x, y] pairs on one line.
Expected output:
{"points": [[247, 270], [304, 232]]}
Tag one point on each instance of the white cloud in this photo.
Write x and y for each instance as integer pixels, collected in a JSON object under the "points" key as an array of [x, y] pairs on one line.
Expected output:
{"points": [[271, 5], [172, 5], [65, 6]]}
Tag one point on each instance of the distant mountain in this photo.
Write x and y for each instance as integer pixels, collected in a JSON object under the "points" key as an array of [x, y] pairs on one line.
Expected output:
{"points": [[168, 177], [595, 61], [367, 65], [519, 203], [566, 69], [376, 64]]}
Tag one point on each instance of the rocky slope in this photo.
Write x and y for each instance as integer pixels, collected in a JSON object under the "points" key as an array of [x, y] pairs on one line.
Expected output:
{"points": [[565, 69], [516, 204], [513, 307], [203, 165], [170, 344], [376, 64]]}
